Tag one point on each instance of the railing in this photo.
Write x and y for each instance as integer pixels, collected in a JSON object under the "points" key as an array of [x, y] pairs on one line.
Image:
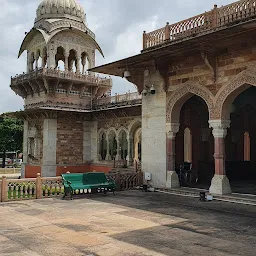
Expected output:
{"points": [[39, 188], [25, 189], [48, 72], [127, 181], [208, 21], [117, 100], [128, 99]]}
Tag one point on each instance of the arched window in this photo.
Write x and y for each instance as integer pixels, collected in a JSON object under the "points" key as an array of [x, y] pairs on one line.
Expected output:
{"points": [[60, 58], [187, 145], [247, 147]]}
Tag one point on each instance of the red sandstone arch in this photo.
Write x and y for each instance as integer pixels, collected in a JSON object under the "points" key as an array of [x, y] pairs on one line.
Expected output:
{"points": [[228, 93], [179, 97]]}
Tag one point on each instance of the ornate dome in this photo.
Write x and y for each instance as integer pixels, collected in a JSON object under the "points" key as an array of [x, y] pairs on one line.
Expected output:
{"points": [[59, 8]]}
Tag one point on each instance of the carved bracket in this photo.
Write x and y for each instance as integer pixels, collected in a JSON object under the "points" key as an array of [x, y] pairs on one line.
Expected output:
{"points": [[211, 65]]}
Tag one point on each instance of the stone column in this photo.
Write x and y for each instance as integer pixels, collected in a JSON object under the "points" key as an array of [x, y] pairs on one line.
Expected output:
{"points": [[129, 153], [49, 148], [172, 179], [118, 151], [99, 158], [51, 63], [25, 149], [108, 156], [78, 65], [66, 61], [220, 183]]}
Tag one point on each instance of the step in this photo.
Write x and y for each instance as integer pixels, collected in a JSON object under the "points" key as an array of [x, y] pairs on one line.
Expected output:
{"points": [[232, 198]]}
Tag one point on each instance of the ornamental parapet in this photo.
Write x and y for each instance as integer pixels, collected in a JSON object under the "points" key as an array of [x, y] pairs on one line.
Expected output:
{"points": [[49, 81], [208, 22], [53, 73], [104, 103]]}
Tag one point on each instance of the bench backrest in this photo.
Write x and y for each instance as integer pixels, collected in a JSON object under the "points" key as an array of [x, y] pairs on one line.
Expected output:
{"points": [[73, 177], [85, 178], [94, 178]]}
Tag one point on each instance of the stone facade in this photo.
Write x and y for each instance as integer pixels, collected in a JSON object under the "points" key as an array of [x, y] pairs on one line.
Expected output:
{"points": [[190, 82]]}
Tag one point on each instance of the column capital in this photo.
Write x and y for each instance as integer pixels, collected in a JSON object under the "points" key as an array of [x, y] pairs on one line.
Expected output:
{"points": [[219, 127], [172, 129]]}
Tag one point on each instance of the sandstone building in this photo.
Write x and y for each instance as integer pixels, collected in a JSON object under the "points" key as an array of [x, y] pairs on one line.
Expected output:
{"points": [[196, 82]]}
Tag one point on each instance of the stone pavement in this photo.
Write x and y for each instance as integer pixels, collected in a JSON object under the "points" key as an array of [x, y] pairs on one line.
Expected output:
{"points": [[128, 224]]}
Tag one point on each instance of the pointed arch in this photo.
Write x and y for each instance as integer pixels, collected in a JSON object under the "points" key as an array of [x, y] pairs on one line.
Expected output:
{"points": [[134, 125], [111, 130], [179, 97], [122, 129], [227, 94]]}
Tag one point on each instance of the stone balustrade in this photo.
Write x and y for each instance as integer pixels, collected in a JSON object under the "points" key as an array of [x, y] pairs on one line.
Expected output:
{"points": [[56, 73], [128, 99], [39, 188], [210, 21], [25, 189]]}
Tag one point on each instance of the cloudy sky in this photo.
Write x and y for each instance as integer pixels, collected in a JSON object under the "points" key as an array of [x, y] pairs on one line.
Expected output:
{"points": [[118, 25]]}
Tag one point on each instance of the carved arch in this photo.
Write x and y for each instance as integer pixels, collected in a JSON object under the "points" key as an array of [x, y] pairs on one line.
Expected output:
{"points": [[101, 131], [227, 94], [180, 96], [122, 129], [111, 130], [136, 123]]}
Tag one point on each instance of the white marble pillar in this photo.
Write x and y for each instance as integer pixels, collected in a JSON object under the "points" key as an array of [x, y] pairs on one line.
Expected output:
{"points": [[49, 147], [25, 148]]}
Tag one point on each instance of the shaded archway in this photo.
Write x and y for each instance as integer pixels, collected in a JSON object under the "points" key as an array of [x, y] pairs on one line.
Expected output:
{"points": [[60, 58], [72, 61], [193, 141], [103, 145], [240, 142], [112, 142]]}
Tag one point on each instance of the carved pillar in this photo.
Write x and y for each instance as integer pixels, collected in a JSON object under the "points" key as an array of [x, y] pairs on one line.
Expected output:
{"points": [[51, 63], [118, 149], [66, 61], [44, 56], [172, 179], [108, 156], [78, 64], [220, 183], [129, 151]]}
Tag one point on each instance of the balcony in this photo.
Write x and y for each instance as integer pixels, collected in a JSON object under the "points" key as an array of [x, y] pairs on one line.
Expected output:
{"points": [[208, 22], [47, 80], [104, 103]]}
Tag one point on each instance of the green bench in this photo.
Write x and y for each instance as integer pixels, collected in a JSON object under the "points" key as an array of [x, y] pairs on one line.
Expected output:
{"points": [[83, 183]]}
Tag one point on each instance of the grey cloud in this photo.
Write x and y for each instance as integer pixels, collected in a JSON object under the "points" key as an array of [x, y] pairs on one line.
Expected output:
{"points": [[118, 25]]}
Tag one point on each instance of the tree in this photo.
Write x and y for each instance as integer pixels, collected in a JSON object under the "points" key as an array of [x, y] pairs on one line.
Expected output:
{"points": [[11, 135]]}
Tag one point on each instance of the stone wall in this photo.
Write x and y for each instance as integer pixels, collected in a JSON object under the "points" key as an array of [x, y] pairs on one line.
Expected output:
{"points": [[69, 140], [227, 61]]}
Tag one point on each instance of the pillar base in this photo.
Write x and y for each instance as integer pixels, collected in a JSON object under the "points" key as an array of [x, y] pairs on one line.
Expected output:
{"points": [[220, 185], [172, 180], [108, 157]]}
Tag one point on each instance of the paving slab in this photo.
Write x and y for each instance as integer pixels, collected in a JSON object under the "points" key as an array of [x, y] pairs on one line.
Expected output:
{"points": [[128, 224]]}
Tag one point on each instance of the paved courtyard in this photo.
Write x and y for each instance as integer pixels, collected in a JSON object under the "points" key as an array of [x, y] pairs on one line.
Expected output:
{"points": [[130, 223]]}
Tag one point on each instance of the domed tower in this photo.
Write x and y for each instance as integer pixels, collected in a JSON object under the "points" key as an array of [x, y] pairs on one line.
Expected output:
{"points": [[60, 48], [58, 90]]}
